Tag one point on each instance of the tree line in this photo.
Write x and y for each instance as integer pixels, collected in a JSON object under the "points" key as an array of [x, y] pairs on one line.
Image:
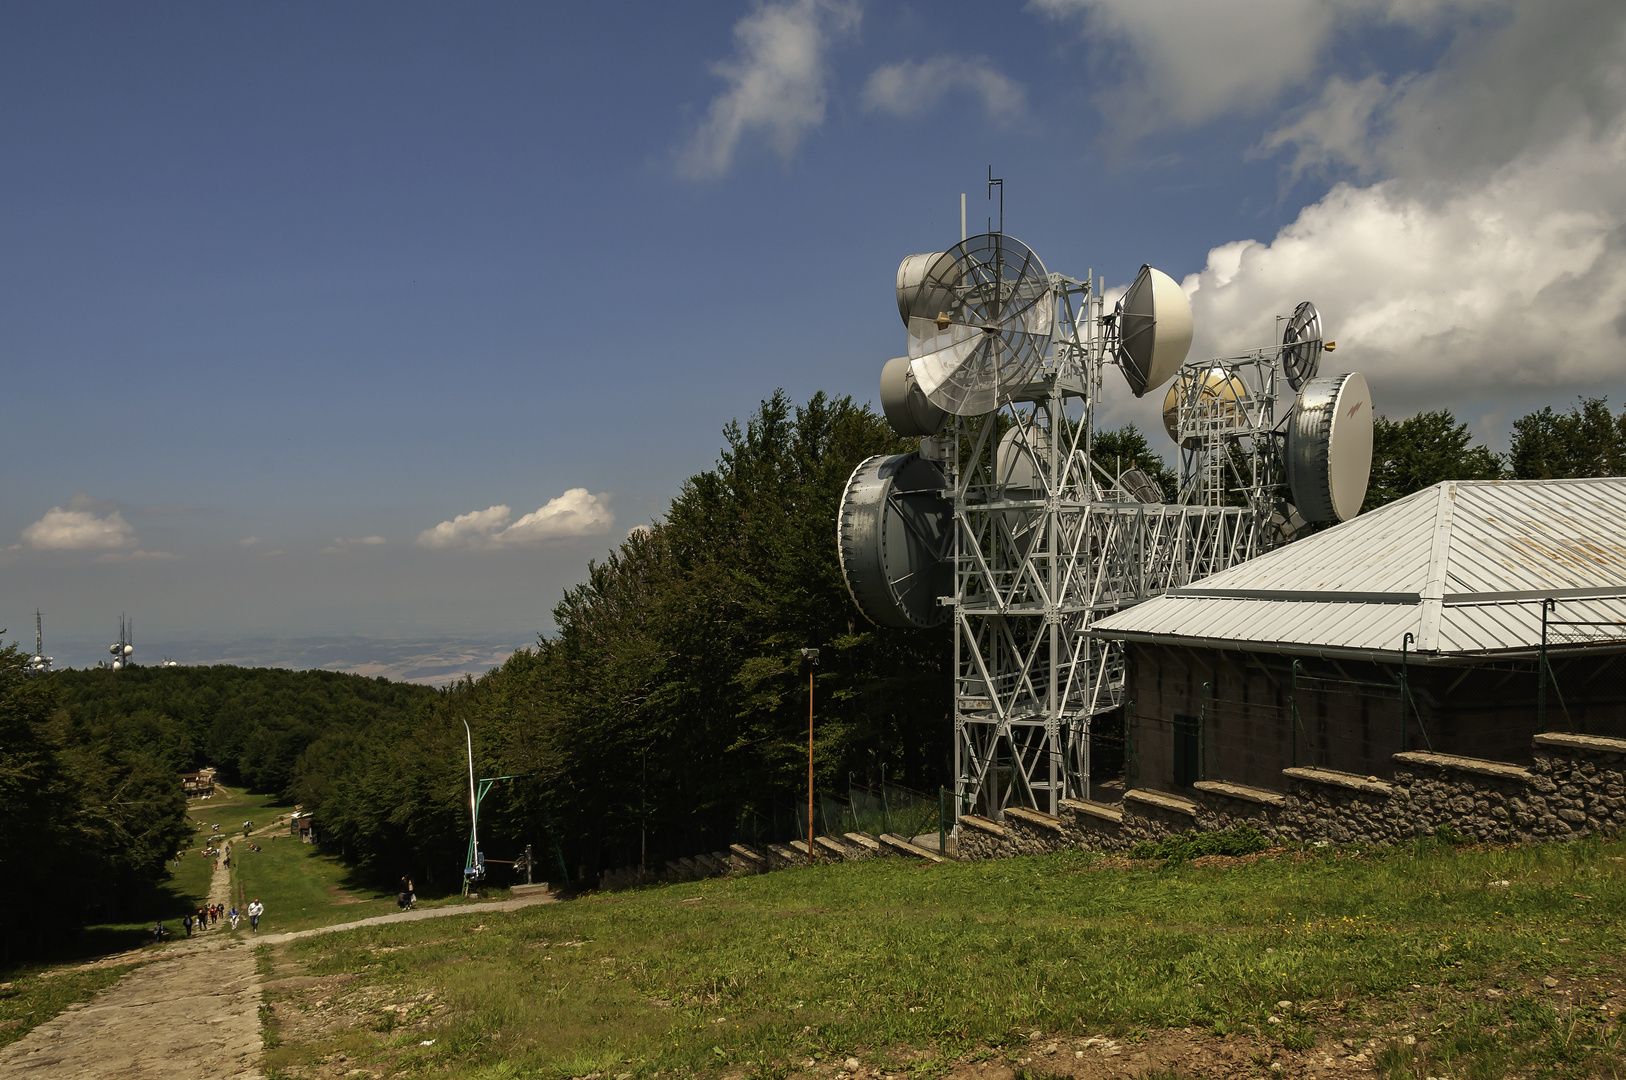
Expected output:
{"points": [[667, 713], [93, 806], [1422, 450]]}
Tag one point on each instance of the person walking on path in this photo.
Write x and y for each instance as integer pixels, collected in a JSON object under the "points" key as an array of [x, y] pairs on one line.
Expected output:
{"points": [[187, 922], [255, 910], [234, 918]]}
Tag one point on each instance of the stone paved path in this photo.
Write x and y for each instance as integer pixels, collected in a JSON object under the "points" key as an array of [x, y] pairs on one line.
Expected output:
{"points": [[193, 1011]]}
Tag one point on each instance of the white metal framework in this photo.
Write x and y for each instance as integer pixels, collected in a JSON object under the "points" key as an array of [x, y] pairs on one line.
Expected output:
{"points": [[1047, 542]]}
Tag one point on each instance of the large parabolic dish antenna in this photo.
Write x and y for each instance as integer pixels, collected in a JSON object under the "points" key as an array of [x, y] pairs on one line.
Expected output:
{"points": [[894, 531], [988, 337], [1329, 447], [906, 407], [1301, 345], [1154, 330]]}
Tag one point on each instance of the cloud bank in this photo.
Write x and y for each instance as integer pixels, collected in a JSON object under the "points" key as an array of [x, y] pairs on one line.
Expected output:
{"points": [[776, 82], [1490, 256], [576, 513]]}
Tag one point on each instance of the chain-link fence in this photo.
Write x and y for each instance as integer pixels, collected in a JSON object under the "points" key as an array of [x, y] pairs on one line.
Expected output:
{"points": [[1581, 672], [885, 808]]}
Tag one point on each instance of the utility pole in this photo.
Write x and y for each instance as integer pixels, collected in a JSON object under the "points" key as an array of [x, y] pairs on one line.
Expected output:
{"points": [[812, 656], [474, 816]]}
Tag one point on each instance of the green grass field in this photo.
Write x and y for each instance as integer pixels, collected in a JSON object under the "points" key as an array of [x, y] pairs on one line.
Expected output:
{"points": [[914, 966], [302, 888]]}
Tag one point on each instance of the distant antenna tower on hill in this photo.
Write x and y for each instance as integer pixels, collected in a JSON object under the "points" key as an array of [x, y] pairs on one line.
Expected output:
{"points": [[122, 649], [39, 663]]}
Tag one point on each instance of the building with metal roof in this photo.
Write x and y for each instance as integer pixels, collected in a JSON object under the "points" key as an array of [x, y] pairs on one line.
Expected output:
{"points": [[1422, 625]]}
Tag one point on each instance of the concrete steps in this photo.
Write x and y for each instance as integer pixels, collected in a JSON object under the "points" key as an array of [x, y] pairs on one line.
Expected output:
{"points": [[748, 859]]}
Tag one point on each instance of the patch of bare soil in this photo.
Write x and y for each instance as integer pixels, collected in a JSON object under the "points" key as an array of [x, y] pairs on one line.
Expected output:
{"points": [[313, 1010]]}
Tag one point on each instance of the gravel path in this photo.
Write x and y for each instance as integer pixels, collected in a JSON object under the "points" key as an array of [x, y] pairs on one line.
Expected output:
{"points": [[192, 1011]]}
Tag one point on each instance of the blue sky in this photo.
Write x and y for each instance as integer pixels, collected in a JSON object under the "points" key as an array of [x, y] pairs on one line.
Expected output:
{"points": [[288, 290]]}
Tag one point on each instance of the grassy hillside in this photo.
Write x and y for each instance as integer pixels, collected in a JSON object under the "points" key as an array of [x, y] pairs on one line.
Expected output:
{"points": [[1413, 963]]}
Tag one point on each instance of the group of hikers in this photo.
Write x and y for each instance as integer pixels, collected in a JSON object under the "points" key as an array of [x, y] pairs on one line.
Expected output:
{"points": [[206, 918]]}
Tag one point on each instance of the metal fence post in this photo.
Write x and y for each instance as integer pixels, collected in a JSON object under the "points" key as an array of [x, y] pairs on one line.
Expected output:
{"points": [[942, 823], [1131, 764], [886, 819], [1294, 703], [1202, 736], [1549, 604], [1405, 643]]}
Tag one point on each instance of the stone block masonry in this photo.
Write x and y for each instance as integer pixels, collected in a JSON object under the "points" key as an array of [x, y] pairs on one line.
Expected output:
{"points": [[1575, 786]]}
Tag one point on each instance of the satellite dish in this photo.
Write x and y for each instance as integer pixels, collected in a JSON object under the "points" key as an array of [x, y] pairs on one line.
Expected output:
{"points": [[894, 531], [913, 300], [1221, 395], [994, 319], [118, 665], [1154, 330], [1301, 345], [1021, 463], [1022, 460], [113, 648], [1286, 521], [128, 649], [1329, 447], [905, 404], [1140, 487]]}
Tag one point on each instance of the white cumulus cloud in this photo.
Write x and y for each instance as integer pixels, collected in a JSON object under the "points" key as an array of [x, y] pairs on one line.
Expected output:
{"points": [[1490, 258], [776, 82], [907, 88], [576, 513], [77, 527]]}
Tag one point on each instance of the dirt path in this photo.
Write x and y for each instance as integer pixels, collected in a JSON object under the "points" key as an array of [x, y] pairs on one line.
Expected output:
{"points": [[192, 1011]]}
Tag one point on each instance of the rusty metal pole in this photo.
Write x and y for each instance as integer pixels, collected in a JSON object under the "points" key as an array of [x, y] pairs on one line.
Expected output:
{"points": [[812, 656], [811, 855]]}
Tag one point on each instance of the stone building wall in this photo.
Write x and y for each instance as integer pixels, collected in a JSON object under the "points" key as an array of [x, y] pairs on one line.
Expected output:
{"points": [[1575, 785]]}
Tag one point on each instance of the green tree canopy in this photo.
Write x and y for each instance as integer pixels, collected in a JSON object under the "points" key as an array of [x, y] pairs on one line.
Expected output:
{"points": [[1586, 441], [671, 704], [1118, 449], [1420, 451]]}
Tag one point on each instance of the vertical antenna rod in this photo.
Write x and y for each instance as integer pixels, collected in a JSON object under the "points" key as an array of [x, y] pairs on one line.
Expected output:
{"points": [[999, 182], [962, 217]]}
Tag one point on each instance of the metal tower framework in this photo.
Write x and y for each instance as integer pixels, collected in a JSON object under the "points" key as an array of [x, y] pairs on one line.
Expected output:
{"points": [[1046, 542]]}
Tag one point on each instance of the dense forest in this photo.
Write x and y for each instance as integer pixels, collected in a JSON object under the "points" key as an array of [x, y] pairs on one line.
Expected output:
{"points": [[667, 713], [88, 764], [670, 707], [250, 723]]}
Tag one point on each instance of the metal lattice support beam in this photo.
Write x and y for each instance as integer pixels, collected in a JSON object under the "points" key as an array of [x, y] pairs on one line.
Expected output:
{"points": [[1045, 544]]}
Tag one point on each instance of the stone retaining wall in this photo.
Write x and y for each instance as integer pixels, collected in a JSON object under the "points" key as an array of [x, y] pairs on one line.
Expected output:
{"points": [[1576, 786]]}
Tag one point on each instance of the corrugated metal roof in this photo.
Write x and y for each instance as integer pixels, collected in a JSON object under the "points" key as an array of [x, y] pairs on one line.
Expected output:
{"points": [[1463, 566]]}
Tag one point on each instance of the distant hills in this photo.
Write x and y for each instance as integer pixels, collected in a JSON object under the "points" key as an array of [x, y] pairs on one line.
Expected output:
{"points": [[426, 661]]}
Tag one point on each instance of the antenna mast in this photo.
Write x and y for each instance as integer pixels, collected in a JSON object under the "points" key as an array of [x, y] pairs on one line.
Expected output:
{"points": [[39, 663]]}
